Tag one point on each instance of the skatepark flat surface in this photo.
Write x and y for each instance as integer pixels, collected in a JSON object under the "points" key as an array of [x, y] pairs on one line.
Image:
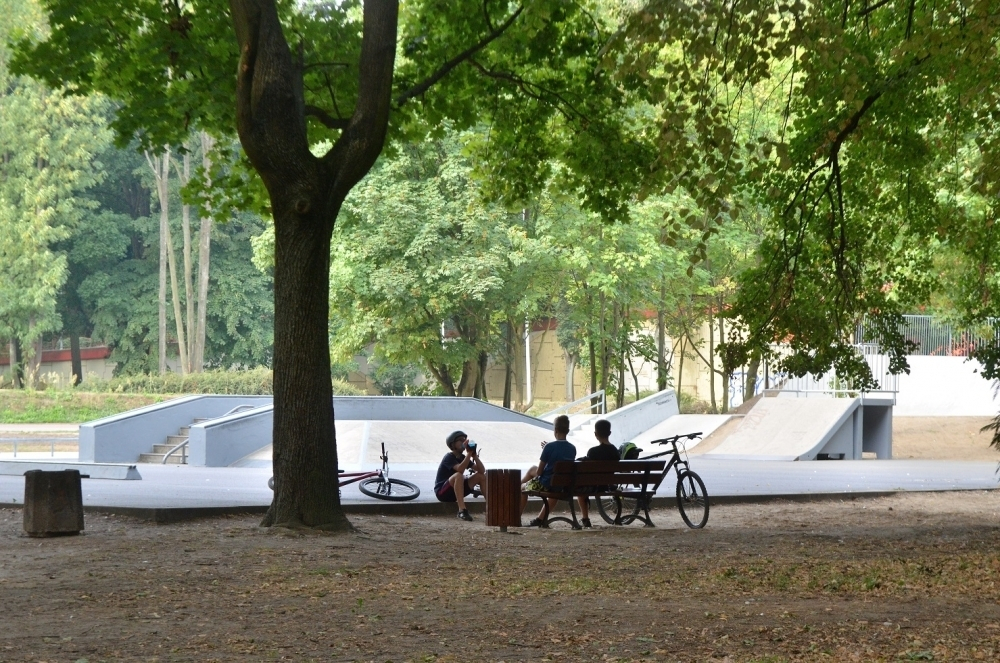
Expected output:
{"points": [[194, 488]]}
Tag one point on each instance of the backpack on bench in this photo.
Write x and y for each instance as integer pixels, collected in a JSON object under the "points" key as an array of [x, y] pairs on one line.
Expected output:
{"points": [[629, 451]]}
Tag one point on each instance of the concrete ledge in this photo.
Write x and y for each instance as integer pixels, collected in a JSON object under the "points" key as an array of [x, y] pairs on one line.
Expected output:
{"points": [[87, 470]]}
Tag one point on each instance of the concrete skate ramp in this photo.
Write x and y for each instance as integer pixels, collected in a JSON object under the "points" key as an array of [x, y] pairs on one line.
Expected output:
{"points": [[795, 429], [359, 443]]}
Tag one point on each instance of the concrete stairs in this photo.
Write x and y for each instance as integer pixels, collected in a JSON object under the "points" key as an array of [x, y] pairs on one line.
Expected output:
{"points": [[179, 457]]}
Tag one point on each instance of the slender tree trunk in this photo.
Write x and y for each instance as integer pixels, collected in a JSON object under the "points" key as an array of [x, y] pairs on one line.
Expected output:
{"points": [[661, 342], [175, 298], [76, 362], [204, 251], [16, 368], [680, 369], [593, 372], [711, 362], [604, 349], [35, 360], [160, 165], [570, 377], [616, 332], [725, 371], [508, 363], [750, 384], [484, 360], [306, 194], [186, 251]]}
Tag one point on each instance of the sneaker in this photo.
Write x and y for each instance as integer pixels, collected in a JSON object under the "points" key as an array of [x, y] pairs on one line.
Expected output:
{"points": [[537, 522], [464, 515], [586, 523]]}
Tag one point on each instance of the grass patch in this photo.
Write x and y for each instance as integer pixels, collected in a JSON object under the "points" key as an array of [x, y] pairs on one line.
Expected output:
{"points": [[23, 406]]}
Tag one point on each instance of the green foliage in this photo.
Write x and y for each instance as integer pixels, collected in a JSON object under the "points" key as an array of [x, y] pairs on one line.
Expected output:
{"points": [[49, 142], [885, 154], [425, 269], [58, 406], [257, 381]]}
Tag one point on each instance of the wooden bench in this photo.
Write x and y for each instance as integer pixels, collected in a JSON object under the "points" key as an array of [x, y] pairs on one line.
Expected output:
{"points": [[638, 479]]}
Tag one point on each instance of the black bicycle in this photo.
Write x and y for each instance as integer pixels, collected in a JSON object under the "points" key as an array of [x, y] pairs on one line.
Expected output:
{"points": [[376, 483], [692, 498]]}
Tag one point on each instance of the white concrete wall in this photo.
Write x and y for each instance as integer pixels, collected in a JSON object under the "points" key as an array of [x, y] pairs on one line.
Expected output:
{"points": [[944, 386]]}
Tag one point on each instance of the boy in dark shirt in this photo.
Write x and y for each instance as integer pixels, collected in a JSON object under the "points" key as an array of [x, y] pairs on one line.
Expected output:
{"points": [[603, 451], [539, 476], [451, 484]]}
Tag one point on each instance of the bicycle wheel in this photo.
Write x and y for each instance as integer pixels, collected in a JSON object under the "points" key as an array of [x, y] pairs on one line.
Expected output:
{"points": [[692, 499], [395, 490], [612, 508]]}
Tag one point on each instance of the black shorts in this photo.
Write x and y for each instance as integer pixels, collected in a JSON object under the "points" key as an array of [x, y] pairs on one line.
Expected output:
{"points": [[446, 493]]}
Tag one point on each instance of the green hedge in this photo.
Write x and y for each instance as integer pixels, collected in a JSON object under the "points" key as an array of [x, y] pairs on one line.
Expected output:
{"points": [[253, 382]]}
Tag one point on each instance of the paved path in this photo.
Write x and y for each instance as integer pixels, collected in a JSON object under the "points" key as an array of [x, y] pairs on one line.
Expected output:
{"points": [[182, 487], [8, 430]]}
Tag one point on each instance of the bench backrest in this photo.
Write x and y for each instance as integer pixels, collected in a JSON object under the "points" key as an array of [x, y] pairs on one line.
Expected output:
{"points": [[578, 474]]}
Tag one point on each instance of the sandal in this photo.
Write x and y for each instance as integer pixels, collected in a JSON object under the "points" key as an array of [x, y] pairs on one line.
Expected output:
{"points": [[538, 522]]}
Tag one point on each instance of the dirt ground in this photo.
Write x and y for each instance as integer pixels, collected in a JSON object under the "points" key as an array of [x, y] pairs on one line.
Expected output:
{"points": [[908, 577]]}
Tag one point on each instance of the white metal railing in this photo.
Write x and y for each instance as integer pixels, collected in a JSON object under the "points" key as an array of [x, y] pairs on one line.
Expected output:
{"points": [[13, 443], [830, 383], [936, 338], [597, 400], [183, 446]]}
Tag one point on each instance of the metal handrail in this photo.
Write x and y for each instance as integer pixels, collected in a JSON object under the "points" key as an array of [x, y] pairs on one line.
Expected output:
{"points": [[602, 404], [183, 445]]}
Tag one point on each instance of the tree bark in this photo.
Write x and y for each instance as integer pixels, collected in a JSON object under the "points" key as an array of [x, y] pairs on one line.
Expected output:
{"points": [[161, 174], [176, 300], [750, 384], [570, 377], [306, 194], [76, 362], [204, 256], [185, 177], [508, 363], [16, 370], [661, 343], [711, 362]]}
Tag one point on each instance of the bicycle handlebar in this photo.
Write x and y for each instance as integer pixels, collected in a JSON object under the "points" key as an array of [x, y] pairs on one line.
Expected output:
{"points": [[675, 438]]}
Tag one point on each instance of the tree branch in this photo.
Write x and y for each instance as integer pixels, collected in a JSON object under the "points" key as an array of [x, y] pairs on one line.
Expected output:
{"points": [[359, 145], [270, 110], [446, 68], [325, 118]]}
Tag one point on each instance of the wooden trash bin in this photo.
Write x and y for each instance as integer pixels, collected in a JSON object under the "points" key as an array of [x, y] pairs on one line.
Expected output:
{"points": [[503, 503], [53, 503]]}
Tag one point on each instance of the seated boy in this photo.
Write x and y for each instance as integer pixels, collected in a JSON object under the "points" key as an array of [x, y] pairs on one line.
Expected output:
{"points": [[451, 484], [540, 476]]}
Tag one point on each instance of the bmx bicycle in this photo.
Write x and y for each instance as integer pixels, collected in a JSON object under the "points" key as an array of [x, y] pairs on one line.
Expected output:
{"points": [[376, 483], [692, 498]]}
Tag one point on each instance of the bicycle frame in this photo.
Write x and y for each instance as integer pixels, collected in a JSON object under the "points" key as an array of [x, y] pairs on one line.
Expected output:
{"points": [[347, 478], [676, 462]]}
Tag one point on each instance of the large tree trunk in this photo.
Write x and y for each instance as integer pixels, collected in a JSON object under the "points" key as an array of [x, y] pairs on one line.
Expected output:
{"points": [[76, 362], [306, 194]]}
